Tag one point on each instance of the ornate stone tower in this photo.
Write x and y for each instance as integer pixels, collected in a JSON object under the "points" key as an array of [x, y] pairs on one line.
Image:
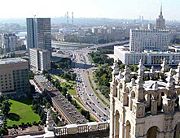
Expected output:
{"points": [[160, 21], [145, 107]]}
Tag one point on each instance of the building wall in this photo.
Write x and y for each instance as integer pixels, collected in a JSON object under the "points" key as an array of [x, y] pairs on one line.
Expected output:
{"points": [[14, 77], [144, 109], [43, 33], [141, 40], [40, 60], [148, 58], [39, 33], [31, 33], [44, 58], [9, 42], [33, 54]]}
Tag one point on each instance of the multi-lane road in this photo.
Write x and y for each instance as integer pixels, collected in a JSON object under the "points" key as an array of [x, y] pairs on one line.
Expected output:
{"points": [[84, 89]]}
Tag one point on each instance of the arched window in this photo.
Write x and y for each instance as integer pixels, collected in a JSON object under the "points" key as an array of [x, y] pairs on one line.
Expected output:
{"points": [[177, 131], [116, 123], [132, 96], [153, 132], [128, 129]]}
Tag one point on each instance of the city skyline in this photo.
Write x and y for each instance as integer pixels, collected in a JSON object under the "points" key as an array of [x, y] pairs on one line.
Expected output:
{"points": [[116, 9]]}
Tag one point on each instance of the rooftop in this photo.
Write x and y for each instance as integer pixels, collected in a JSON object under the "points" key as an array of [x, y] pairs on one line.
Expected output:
{"points": [[12, 61], [60, 101]]}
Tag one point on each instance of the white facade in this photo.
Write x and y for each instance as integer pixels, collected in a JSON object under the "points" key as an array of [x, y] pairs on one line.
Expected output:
{"points": [[147, 57], [39, 60], [45, 61], [146, 107], [149, 45], [33, 57], [141, 40]]}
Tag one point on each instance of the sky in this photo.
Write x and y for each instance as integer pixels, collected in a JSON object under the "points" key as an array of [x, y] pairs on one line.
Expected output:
{"points": [[118, 9]]}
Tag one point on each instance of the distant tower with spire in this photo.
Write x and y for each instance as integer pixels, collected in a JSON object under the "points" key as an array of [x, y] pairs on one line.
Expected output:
{"points": [[160, 21]]}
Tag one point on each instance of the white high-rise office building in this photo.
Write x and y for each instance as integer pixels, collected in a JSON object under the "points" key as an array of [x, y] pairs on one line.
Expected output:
{"points": [[39, 60], [141, 40]]}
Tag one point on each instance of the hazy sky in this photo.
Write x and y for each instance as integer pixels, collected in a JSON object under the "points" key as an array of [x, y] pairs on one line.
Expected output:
{"points": [[90, 8]]}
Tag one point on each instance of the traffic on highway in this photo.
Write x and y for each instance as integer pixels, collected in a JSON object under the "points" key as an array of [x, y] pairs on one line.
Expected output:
{"points": [[84, 88], [82, 67]]}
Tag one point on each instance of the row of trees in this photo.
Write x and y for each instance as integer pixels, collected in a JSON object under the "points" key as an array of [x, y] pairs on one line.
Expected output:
{"points": [[69, 76], [39, 104], [4, 111], [100, 58], [64, 91], [102, 77], [65, 63], [102, 74], [82, 111]]}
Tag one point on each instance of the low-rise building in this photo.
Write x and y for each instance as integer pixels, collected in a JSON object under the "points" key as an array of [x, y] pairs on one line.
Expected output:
{"points": [[67, 111], [148, 57]]}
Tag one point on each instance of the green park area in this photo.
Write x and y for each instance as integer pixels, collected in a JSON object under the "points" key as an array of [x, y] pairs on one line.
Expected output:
{"points": [[21, 113]]}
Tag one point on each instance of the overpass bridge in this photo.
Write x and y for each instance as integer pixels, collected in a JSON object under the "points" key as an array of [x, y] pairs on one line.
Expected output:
{"points": [[110, 44], [76, 46]]}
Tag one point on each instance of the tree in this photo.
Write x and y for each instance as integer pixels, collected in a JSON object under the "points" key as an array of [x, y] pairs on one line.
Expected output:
{"points": [[85, 113], [64, 91], [44, 72], [32, 88], [69, 97], [133, 68], [5, 107], [31, 75]]}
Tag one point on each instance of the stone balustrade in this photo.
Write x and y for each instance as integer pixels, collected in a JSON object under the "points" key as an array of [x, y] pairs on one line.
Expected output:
{"points": [[81, 128]]}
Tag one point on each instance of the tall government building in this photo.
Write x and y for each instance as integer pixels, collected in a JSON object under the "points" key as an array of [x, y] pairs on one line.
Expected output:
{"points": [[39, 33], [151, 45]]}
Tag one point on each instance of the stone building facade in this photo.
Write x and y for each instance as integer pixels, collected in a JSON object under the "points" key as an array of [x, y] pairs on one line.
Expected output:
{"points": [[145, 104]]}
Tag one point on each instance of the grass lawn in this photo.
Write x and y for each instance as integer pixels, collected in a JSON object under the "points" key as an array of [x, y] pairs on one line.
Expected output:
{"points": [[72, 92], [21, 112]]}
